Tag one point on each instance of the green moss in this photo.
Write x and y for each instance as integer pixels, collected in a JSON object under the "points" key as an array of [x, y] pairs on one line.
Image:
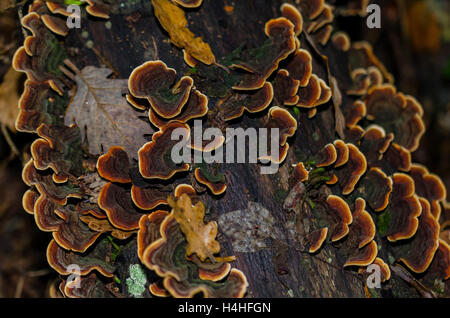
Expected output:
{"points": [[383, 221]]}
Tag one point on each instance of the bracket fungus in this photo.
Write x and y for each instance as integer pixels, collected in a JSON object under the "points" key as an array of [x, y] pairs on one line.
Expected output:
{"points": [[347, 188]]}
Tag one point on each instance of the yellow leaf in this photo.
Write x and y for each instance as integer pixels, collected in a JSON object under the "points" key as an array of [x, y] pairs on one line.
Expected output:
{"points": [[173, 20], [200, 236], [9, 98]]}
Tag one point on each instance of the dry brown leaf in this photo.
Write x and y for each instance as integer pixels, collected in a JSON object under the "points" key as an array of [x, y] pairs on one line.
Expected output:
{"points": [[103, 114], [173, 20], [9, 98], [199, 236]]}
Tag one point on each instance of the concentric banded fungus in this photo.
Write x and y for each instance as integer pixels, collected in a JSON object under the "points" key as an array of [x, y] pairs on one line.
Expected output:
{"points": [[118, 205], [299, 66], [397, 114], [60, 260], [316, 239], [155, 157], [114, 165], [285, 88], [217, 187], [154, 81], [103, 225], [323, 35], [29, 200], [326, 156], [350, 173], [440, 266], [310, 94], [300, 174], [342, 153], [403, 210], [182, 278], [384, 269], [361, 82], [254, 101], [421, 248], [354, 113], [149, 225], [98, 10], [362, 250], [282, 43], [396, 158], [148, 198], [429, 186], [292, 14], [312, 8], [64, 223], [375, 143], [85, 287], [40, 55], [196, 106], [342, 214], [325, 17], [375, 186]]}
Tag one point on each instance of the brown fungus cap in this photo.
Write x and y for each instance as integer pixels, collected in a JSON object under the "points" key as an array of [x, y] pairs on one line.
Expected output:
{"points": [[285, 88], [309, 94], [323, 35], [60, 260], [341, 41], [299, 66], [154, 81], [342, 212], [350, 173], [148, 198], [374, 144], [29, 200], [253, 101], [98, 10], [361, 82], [282, 44], [114, 165], [397, 114], [57, 8], [300, 174], [316, 239], [376, 187], [354, 112], [312, 8], [149, 225], [216, 188], [155, 156], [118, 205], [396, 158], [404, 208], [326, 156], [322, 21], [429, 186], [424, 243], [196, 106], [292, 14], [55, 24], [342, 153]]}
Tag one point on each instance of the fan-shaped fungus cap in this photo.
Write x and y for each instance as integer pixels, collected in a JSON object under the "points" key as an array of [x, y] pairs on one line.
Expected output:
{"points": [[361, 55], [376, 188], [361, 82], [350, 173], [316, 239], [300, 174], [312, 8], [292, 14], [325, 93], [252, 101], [154, 81], [181, 278], [29, 200], [375, 143], [341, 41], [299, 66], [196, 106], [114, 165], [217, 187], [326, 156], [384, 269], [325, 17], [184, 188], [57, 8], [281, 118], [149, 225], [429, 186], [285, 88], [155, 156], [282, 43], [56, 25], [359, 243], [404, 208], [396, 158], [189, 3], [423, 245], [353, 113], [342, 153], [148, 198], [60, 260], [323, 35], [396, 114], [116, 202], [98, 10], [342, 212], [309, 94]]}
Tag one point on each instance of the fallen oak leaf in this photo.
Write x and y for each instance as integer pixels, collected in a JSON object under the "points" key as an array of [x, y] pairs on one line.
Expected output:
{"points": [[200, 236], [102, 112], [173, 20]]}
